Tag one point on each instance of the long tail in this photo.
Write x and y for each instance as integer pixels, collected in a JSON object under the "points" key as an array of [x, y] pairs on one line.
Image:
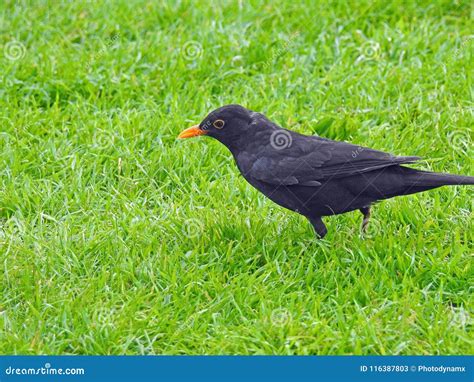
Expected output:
{"points": [[429, 179]]}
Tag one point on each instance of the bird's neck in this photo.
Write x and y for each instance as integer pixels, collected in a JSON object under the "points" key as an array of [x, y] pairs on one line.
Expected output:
{"points": [[252, 141]]}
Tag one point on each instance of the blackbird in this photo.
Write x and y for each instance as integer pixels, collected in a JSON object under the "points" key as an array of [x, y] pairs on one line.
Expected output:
{"points": [[310, 175]]}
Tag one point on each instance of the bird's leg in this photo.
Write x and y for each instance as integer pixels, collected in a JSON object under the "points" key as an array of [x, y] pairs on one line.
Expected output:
{"points": [[319, 226], [366, 212]]}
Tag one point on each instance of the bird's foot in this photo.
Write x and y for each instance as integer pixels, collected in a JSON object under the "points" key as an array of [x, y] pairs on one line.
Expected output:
{"points": [[319, 227], [366, 212]]}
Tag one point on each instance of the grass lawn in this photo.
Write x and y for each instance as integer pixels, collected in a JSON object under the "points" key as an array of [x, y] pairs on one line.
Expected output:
{"points": [[115, 238]]}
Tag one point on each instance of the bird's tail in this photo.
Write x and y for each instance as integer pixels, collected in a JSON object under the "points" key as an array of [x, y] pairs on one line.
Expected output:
{"points": [[429, 179]]}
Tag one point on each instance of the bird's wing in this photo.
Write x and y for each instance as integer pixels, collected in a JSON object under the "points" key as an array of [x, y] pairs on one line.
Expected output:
{"points": [[310, 160]]}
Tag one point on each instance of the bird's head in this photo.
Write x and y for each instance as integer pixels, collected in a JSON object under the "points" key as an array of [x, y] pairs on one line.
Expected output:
{"points": [[228, 124]]}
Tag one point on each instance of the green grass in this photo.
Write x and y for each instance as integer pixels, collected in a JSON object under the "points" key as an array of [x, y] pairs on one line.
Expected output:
{"points": [[117, 238]]}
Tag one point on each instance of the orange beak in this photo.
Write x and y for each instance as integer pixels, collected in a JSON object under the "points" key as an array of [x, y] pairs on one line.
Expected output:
{"points": [[190, 132]]}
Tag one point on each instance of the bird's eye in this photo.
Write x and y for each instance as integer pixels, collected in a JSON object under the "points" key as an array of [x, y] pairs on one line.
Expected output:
{"points": [[218, 123]]}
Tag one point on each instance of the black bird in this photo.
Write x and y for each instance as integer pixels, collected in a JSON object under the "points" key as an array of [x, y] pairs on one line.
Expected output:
{"points": [[314, 176]]}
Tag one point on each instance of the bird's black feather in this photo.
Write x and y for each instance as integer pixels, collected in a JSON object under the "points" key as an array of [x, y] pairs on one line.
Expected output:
{"points": [[315, 176]]}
